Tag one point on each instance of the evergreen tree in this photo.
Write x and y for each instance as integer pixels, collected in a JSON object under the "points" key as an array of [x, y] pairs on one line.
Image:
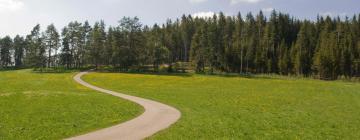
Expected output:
{"points": [[52, 40], [84, 55], [238, 44], [187, 32], [106, 54], [75, 39], [325, 58], [35, 52], [199, 47], [19, 47], [6, 46], [326, 48], [66, 56], [98, 38], [251, 41], [131, 29], [260, 44], [284, 59], [154, 42], [212, 43], [303, 50]]}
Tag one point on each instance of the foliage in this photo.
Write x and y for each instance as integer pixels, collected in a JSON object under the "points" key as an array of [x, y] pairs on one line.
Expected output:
{"points": [[279, 44]]}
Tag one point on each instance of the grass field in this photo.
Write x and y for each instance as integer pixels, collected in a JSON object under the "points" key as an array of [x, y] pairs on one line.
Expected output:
{"points": [[53, 106], [216, 107]]}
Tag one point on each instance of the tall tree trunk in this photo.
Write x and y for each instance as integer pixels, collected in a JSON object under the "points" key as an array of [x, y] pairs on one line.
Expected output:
{"points": [[49, 59]]}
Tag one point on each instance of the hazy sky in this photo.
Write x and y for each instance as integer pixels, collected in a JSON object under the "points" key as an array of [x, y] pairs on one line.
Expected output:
{"points": [[19, 16]]}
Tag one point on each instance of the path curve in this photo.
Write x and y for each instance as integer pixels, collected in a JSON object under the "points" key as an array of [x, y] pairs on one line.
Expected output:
{"points": [[157, 117]]}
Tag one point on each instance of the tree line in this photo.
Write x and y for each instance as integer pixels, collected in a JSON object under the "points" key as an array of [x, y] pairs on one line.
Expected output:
{"points": [[326, 48]]}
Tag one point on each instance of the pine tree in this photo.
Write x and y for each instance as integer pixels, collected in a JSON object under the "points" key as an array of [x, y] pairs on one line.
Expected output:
{"points": [[284, 60], [106, 53], [35, 56], [85, 47], [98, 38], [212, 43], [66, 56], [75, 36], [327, 48], [6, 46], [238, 45], [51, 40], [161, 54], [221, 44], [251, 42], [198, 48], [187, 32], [19, 47], [260, 43], [228, 44], [154, 46], [326, 55], [131, 29], [303, 50]]}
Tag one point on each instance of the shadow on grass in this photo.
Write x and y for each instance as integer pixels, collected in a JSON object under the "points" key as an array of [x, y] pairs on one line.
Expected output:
{"points": [[62, 70], [237, 75], [12, 69], [190, 74], [52, 72], [263, 76], [149, 73], [59, 70]]}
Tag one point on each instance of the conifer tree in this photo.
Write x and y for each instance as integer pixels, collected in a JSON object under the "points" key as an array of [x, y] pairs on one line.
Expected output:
{"points": [[51, 40], [6, 46], [19, 53]]}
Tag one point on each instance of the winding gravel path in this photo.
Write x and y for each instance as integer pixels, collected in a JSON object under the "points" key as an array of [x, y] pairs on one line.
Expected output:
{"points": [[157, 116]]}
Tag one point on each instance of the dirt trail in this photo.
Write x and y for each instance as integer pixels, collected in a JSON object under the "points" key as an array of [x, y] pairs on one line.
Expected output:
{"points": [[157, 117]]}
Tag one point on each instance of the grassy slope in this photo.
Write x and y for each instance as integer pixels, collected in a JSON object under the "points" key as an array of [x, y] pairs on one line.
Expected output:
{"points": [[216, 107], [53, 106]]}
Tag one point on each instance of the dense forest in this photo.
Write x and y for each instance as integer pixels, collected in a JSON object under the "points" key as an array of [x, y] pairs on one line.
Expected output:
{"points": [[326, 48]]}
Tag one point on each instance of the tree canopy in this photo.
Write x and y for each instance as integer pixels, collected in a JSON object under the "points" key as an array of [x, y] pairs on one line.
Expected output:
{"points": [[326, 48]]}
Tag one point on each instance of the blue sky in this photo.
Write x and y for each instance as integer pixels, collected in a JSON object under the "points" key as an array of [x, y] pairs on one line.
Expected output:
{"points": [[19, 16]]}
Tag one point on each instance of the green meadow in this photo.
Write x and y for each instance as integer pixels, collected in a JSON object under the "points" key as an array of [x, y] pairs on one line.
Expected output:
{"points": [[219, 107], [53, 106]]}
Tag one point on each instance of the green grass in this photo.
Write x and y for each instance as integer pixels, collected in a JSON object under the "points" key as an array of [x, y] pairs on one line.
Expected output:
{"points": [[53, 106], [217, 107]]}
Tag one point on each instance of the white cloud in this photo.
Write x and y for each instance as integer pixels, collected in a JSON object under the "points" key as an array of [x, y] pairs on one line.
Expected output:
{"points": [[267, 10], [326, 14], [204, 14], [233, 2], [197, 1], [331, 14], [11, 5]]}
